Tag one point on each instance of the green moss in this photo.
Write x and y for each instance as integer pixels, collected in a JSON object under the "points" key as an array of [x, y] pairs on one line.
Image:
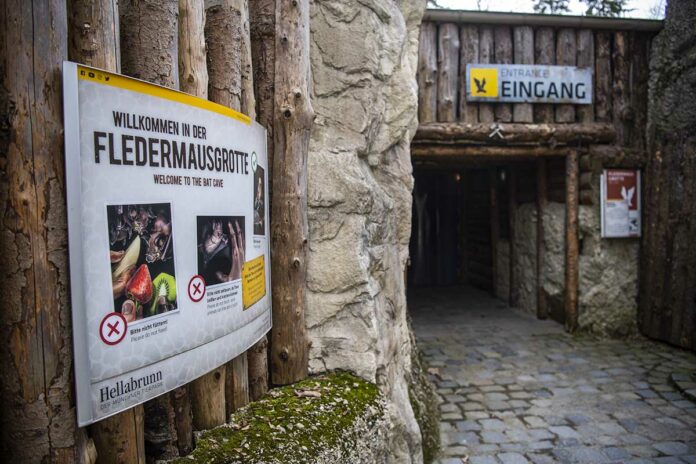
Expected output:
{"points": [[293, 424]]}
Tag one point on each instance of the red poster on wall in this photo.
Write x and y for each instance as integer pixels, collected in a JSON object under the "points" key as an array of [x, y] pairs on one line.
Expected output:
{"points": [[620, 191]]}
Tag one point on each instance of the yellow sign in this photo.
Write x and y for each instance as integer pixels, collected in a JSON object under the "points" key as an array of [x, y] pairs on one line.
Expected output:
{"points": [[483, 82], [253, 281]]}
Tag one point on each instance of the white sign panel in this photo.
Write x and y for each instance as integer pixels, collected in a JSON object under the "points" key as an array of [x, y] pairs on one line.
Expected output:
{"points": [[620, 190], [519, 83], [168, 231]]}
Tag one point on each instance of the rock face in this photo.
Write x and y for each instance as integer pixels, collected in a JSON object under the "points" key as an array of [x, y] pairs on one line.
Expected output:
{"points": [[363, 55], [608, 269]]}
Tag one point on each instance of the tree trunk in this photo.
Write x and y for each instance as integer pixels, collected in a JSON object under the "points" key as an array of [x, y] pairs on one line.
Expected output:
{"points": [[602, 77], [469, 54], [38, 421], [93, 37], [149, 40], [667, 305], [585, 59], [571, 245], [237, 384], [486, 55], [620, 87], [524, 54], [544, 53], [223, 36], [566, 50], [262, 32], [193, 73], [293, 121], [149, 51], [427, 73], [447, 72], [503, 55]]}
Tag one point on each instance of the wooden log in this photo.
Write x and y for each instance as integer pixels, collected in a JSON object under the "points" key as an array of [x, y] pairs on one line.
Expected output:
{"points": [[495, 225], [544, 53], [257, 358], [193, 72], [469, 53], [294, 116], [587, 197], [524, 54], [513, 296], [542, 201], [566, 51], [571, 246], [540, 134], [93, 35], [149, 40], [109, 437], [208, 403], [149, 51], [585, 59], [93, 38], [262, 32], [237, 384], [483, 151], [248, 105], [447, 71], [503, 55], [638, 91], [36, 358], [620, 86], [223, 37], [486, 55], [183, 419], [603, 104], [427, 73]]}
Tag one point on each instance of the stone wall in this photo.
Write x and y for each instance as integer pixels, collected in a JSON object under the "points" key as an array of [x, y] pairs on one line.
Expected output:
{"points": [[363, 55], [608, 284]]}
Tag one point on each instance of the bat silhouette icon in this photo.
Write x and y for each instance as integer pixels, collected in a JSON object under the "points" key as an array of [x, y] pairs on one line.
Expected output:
{"points": [[480, 85]]}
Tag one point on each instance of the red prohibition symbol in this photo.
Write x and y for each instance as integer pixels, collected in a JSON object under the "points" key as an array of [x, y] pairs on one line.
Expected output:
{"points": [[196, 288], [113, 328]]}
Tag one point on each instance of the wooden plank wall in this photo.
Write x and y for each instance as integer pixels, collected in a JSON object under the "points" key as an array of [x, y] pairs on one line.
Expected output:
{"points": [[619, 59]]}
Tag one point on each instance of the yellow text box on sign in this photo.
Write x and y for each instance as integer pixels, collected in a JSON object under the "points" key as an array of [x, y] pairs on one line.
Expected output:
{"points": [[253, 281], [483, 82]]}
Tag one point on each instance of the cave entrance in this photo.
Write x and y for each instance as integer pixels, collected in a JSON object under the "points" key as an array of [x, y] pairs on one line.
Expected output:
{"points": [[474, 223]]}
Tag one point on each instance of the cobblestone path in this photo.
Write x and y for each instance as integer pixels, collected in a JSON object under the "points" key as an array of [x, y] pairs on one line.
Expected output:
{"points": [[518, 390]]}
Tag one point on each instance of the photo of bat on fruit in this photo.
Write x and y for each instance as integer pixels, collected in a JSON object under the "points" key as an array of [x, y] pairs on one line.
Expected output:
{"points": [[141, 252]]}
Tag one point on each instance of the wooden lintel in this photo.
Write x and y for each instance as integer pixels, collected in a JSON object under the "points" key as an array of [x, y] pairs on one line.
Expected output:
{"points": [[504, 134], [483, 151]]}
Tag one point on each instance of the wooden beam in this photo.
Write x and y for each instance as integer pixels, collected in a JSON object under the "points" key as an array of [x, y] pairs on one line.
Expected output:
{"points": [[495, 225], [602, 77], [571, 245], [469, 53], [544, 53], [513, 295], [524, 54], [621, 112], [427, 73], [585, 59], [447, 71], [193, 72], [294, 116], [482, 151], [566, 50], [486, 55], [540, 134], [503, 55], [542, 311]]}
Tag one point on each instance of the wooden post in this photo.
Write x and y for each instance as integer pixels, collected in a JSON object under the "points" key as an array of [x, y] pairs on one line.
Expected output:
{"points": [[486, 55], [149, 51], [512, 209], [469, 53], [427, 73], [193, 73], [237, 384], [542, 311], [544, 53], [262, 32], [572, 251], [293, 121], [585, 59], [495, 225], [447, 72], [602, 77], [620, 87], [93, 38], [524, 54], [503, 55], [36, 358], [566, 51]]}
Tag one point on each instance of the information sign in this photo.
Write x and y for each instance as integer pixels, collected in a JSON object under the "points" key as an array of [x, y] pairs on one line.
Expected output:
{"points": [[620, 190]]}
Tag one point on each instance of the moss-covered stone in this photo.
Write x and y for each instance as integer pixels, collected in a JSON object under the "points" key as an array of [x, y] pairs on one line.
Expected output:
{"points": [[424, 403], [337, 418]]}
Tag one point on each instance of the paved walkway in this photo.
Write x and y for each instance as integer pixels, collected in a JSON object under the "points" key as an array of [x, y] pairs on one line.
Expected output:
{"points": [[518, 390]]}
